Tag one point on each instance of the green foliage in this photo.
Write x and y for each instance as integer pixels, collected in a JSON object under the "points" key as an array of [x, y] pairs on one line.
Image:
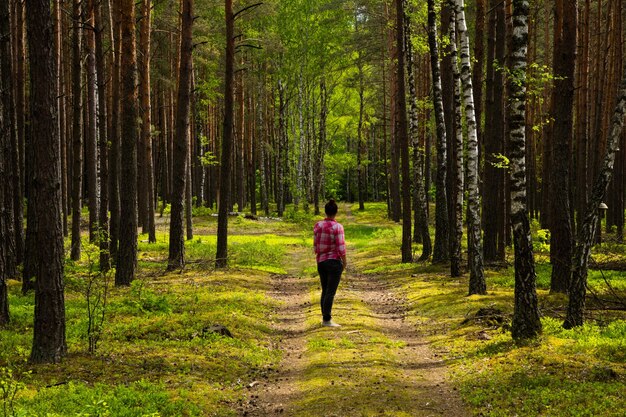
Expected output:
{"points": [[140, 398], [9, 388], [500, 161], [143, 299]]}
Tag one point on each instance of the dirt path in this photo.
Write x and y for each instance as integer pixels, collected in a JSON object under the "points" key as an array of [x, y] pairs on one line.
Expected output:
{"points": [[376, 364]]}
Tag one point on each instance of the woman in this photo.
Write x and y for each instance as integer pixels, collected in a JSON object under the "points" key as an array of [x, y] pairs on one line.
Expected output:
{"points": [[330, 248]]}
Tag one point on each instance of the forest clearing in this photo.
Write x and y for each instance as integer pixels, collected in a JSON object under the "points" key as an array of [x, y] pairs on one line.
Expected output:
{"points": [[164, 167], [410, 344]]}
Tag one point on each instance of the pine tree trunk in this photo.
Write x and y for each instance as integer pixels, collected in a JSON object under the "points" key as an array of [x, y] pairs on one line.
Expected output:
{"points": [[441, 250], [180, 172], [127, 254], [477, 283], [526, 323], [146, 122], [77, 130], [19, 142], [586, 236], [281, 154], [479, 63], [49, 344], [361, 145], [403, 137], [114, 154], [221, 257], [91, 139], [565, 38], [493, 204], [103, 215], [7, 235]]}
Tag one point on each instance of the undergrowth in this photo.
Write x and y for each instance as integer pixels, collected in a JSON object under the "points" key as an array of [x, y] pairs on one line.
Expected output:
{"points": [[579, 372]]}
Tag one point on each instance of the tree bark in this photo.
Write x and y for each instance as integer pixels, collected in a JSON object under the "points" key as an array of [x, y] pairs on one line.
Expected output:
{"points": [[586, 236], [146, 122], [103, 145], [49, 326], [77, 130], [221, 257], [494, 194], [562, 104], [114, 154], [526, 323], [477, 283], [441, 250], [127, 254], [403, 137], [7, 131], [176, 258], [19, 166], [420, 232], [456, 194]]}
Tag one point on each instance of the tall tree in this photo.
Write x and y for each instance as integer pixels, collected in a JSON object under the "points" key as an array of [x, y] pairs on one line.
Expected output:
{"points": [[586, 236], [526, 322], [114, 154], [176, 258], [403, 136], [45, 191], [146, 121], [456, 193], [441, 249], [91, 138], [127, 254], [477, 283], [221, 257], [103, 144], [77, 128], [493, 192], [7, 129], [421, 232], [19, 171], [565, 38]]}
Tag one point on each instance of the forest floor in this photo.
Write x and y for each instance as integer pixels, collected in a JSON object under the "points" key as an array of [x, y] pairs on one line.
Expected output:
{"points": [[375, 364], [247, 340]]}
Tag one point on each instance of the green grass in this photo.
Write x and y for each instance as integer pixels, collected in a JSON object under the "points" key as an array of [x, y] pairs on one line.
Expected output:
{"points": [[580, 372], [156, 358]]}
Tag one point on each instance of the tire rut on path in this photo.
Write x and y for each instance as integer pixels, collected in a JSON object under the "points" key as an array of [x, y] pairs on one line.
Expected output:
{"points": [[274, 395], [423, 374]]}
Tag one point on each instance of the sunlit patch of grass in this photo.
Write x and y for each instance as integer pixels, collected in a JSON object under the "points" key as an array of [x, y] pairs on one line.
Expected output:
{"points": [[578, 372], [157, 346]]}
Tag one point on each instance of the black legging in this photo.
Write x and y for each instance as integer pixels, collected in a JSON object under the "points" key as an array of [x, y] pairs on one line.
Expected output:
{"points": [[330, 275]]}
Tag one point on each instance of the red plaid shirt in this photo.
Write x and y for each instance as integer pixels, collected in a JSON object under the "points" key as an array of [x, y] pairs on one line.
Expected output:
{"points": [[328, 240]]}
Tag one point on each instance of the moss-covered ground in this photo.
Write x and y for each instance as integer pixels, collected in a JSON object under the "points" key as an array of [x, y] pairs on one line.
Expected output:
{"points": [[157, 356]]}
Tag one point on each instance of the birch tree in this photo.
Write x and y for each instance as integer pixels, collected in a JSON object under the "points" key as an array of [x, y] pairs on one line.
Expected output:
{"points": [[456, 193], [526, 322], [477, 283], [419, 205], [441, 250], [586, 236]]}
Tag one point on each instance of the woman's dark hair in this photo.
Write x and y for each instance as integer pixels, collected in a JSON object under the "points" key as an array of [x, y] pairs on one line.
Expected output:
{"points": [[331, 208]]}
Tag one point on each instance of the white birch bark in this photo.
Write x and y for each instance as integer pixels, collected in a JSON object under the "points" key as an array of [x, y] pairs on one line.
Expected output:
{"points": [[456, 234], [526, 323], [421, 232], [477, 283], [441, 249], [586, 236]]}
